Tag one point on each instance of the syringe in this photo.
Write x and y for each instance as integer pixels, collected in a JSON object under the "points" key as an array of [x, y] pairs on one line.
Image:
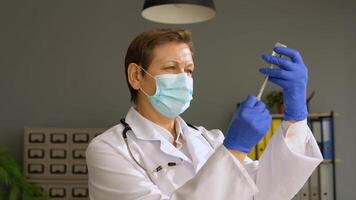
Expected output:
{"points": [[272, 66]]}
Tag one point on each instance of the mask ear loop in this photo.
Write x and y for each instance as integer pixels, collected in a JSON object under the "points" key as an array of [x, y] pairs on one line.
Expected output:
{"points": [[146, 71], [150, 76]]}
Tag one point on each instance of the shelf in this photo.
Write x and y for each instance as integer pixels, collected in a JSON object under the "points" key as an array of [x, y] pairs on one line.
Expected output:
{"points": [[311, 115]]}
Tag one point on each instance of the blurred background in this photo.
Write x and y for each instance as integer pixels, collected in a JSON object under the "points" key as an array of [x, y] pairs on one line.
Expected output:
{"points": [[62, 64]]}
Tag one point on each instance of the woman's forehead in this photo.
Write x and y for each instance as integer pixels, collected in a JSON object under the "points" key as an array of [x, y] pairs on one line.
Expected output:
{"points": [[174, 52]]}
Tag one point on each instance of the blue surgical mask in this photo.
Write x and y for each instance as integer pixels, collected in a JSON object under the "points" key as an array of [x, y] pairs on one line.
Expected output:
{"points": [[173, 93]]}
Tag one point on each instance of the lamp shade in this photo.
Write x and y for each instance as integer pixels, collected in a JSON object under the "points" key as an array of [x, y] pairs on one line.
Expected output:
{"points": [[178, 12]]}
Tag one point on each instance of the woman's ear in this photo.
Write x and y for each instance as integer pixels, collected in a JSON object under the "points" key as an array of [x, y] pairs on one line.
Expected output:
{"points": [[134, 75]]}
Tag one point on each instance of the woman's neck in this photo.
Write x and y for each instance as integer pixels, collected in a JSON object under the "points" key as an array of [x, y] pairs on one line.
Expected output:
{"points": [[146, 110]]}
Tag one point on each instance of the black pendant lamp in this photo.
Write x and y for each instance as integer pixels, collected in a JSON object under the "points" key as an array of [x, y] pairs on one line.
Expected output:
{"points": [[178, 11]]}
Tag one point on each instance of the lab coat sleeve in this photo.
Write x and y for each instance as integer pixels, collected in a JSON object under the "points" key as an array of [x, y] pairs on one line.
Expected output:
{"points": [[221, 177], [113, 176], [287, 162]]}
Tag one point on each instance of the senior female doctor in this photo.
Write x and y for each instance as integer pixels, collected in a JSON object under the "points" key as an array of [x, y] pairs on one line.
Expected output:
{"points": [[153, 154]]}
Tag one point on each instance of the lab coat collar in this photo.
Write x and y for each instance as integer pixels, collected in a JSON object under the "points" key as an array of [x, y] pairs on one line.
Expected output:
{"points": [[198, 147], [144, 129]]}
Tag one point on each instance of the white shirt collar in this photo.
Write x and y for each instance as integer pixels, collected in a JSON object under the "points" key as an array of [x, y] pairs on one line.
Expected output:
{"points": [[140, 126]]}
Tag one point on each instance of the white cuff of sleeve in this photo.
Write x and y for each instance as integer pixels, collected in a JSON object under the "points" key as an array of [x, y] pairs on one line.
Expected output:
{"points": [[296, 135]]}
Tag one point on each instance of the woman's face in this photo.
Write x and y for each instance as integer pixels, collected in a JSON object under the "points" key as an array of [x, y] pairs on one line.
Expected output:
{"points": [[170, 58]]}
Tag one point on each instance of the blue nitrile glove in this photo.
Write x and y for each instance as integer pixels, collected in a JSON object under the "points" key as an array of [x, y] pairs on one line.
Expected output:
{"points": [[248, 125], [292, 76]]}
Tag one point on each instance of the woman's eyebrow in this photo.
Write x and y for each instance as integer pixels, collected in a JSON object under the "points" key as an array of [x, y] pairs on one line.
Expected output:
{"points": [[189, 64], [174, 61], [178, 62]]}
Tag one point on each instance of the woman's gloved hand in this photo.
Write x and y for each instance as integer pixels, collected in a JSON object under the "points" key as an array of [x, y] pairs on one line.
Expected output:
{"points": [[248, 125], [292, 76]]}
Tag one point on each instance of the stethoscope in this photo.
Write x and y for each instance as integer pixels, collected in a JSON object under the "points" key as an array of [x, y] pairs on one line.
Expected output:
{"points": [[159, 167]]}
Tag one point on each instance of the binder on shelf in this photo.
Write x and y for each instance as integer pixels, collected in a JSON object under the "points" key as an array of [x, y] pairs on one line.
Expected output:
{"points": [[296, 197], [252, 154], [305, 192], [316, 129], [269, 134], [314, 185], [276, 123], [261, 145], [327, 138], [326, 181]]}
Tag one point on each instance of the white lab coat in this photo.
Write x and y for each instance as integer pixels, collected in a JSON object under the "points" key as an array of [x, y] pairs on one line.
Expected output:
{"points": [[211, 172]]}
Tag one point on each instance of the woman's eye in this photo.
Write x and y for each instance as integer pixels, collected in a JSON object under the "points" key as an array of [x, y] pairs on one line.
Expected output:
{"points": [[189, 71]]}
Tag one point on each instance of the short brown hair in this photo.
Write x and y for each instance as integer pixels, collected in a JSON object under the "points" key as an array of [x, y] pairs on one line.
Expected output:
{"points": [[141, 48]]}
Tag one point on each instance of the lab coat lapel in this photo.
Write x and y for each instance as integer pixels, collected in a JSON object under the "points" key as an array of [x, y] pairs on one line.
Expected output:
{"points": [[198, 147], [146, 130]]}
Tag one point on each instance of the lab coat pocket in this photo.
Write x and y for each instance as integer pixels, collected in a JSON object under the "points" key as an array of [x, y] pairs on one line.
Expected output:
{"points": [[161, 175]]}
